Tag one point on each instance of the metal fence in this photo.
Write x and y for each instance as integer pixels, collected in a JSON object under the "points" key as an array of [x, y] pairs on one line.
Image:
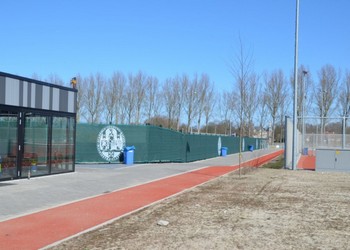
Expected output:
{"points": [[327, 132], [315, 133], [313, 141]]}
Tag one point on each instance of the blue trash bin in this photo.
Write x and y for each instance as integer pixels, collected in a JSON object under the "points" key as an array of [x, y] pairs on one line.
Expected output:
{"points": [[129, 155], [305, 151], [250, 148], [223, 151]]}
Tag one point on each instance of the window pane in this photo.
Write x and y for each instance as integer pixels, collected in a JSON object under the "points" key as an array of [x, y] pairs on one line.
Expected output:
{"points": [[8, 145], [62, 144], [35, 158]]}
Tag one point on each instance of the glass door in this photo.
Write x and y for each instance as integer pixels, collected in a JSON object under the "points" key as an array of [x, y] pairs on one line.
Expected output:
{"points": [[35, 145], [8, 144], [62, 149]]}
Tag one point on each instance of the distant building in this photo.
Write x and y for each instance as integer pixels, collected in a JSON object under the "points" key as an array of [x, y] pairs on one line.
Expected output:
{"points": [[257, 133]]}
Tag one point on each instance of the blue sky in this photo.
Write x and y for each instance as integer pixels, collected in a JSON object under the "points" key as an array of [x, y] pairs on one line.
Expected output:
{"points": [[165, 38]]}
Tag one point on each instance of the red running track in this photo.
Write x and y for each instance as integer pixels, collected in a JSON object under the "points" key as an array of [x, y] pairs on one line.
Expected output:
{"points": [[46, 227], [307, 162]]}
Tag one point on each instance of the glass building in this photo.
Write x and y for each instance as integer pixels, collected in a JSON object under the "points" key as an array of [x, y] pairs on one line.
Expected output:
{"points": [[37, 128]]}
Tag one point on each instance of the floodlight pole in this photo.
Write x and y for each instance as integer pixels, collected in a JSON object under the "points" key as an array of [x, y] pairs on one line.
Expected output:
{"points": [[294, 147], [303, 99], [344, 131]]}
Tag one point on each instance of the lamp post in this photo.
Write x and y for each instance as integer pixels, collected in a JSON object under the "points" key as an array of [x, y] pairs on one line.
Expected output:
{"points": [[323, 111], [294, 146], [345, 119], [303, 109]]}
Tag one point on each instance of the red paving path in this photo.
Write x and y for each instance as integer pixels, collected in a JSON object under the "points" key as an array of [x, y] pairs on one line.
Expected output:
{"points": [[43, 228], [307, 162]]}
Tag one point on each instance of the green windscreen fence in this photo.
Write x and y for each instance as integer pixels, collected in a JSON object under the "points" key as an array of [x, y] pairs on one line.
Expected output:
{"points": [[106, 143]]}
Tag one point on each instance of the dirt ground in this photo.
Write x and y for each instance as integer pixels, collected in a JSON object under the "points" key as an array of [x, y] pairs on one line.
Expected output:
{"points": [[262, 209]]}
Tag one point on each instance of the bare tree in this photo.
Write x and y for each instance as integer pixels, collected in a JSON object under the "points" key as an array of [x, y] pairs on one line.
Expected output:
{"points": [[112, 95], [242, 71], [170, 94], [36, 76], [119, 81], [129, 99], [109, 101], [344, 99], [262, 111], [209, 105], [203, 89], [325, 92], [183, 83], [284, 104], [55, 79], [275, 88], [227, 104], [344, 96], [80, 97], [251, 103], [139, 86], [93, 97], [191, 101], [152, 98]]}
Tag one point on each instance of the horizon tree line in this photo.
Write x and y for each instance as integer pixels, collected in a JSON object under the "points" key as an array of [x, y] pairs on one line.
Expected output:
{"points": [[255, 103]]}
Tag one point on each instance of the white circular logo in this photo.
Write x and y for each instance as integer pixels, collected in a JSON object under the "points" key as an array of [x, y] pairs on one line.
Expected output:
{"points": [[110, 143]]}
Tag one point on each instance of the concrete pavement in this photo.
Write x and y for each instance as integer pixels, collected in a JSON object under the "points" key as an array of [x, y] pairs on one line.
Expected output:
{"points": [[22, 197]]}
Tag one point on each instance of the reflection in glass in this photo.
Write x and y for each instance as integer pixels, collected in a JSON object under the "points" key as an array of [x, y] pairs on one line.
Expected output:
{"points": [[62, 144], [46, 144], [35, 157], [8, 145]]}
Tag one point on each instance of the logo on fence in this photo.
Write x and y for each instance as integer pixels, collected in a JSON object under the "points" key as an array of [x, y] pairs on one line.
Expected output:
{"points": [[110, 143]]}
